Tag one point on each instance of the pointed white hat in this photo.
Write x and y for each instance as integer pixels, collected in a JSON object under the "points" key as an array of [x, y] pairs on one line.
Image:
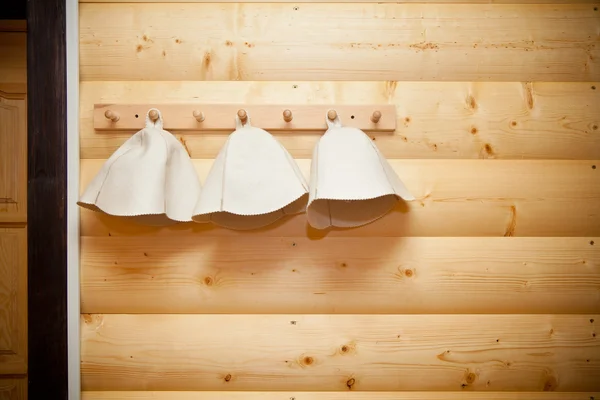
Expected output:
{"points": [[253, 182], [150, 179], [351, 183]]}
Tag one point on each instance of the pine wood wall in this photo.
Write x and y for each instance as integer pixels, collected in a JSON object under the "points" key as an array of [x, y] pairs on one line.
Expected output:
{"points": [[488, 283]]}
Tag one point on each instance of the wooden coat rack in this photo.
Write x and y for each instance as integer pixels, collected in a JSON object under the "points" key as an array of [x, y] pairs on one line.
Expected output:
{"points": [[221, 117]]}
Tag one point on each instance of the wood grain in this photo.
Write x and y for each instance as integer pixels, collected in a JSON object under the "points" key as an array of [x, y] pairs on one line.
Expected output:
{"points": [[13, 153], [346, 395], [122, 275], [48, 365], [340, 352], [319, 41], [506, 120], [454, 198], [13, 300], [222, 117], [13, 388], [13, 62]]}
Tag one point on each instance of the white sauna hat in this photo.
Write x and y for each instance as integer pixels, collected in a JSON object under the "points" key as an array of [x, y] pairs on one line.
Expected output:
{"points": [[351, 183], [150, 179], [253, 182]]}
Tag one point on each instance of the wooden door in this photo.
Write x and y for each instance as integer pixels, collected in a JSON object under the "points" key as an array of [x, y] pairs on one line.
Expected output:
{"points": [[13, 148], [13, 212]]}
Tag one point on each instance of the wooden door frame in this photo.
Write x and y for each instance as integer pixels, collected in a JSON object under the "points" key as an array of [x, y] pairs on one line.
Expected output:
{"points": [[52, 177]]}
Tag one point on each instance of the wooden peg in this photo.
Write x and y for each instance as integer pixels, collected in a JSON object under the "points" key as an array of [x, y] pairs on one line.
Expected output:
{"points": [[153, 114], [287, 116], [199, 115], [243, 115], [332, 115], [376, 117], [113, 116]]}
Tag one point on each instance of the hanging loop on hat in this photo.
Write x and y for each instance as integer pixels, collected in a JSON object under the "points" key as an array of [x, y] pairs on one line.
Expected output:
{"points": [[242, 119], [156, 123], [336, 122]]}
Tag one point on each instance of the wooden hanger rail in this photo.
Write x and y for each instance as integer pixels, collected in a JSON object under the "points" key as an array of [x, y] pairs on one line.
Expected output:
{"points": [[221, 117]]}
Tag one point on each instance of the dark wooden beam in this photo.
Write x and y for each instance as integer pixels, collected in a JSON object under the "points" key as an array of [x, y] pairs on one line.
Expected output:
{"points": [[47, 199]]}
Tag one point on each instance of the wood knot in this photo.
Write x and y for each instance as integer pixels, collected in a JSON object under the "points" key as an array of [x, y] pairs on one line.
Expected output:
{"points": [[345, 349], [178, 41], [471, 378], [227, 377], [228, 43], [513, 123], [207, 59], [473, 130], [409, 273], [591, 320], [87, 318], [512, 224], [208, 281], [551, 384], [350, 383], [308, 360], [407, 120], [471, 103]]}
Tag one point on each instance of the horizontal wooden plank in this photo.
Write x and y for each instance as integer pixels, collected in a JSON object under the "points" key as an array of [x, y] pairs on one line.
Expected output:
{"points": [[506, 120], [340, 352], [454, 198], [122, 275], [346, 41], [347, 395], [222, 117]]}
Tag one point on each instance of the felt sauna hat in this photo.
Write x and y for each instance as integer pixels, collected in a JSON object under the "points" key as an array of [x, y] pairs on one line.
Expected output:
{"points": [[149, 179], [351, 183], [253, 182]]}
